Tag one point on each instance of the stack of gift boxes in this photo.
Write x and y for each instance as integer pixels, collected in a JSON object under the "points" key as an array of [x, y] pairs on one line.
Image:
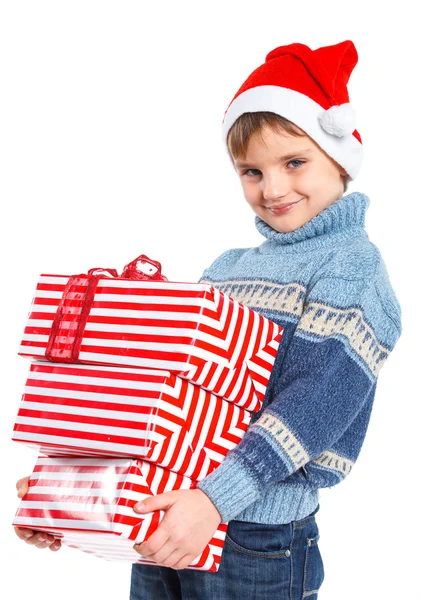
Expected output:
{"points": [[136, 387]]}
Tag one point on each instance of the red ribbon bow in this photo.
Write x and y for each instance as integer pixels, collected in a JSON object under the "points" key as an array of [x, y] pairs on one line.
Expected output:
{"points": [[72, 313]]}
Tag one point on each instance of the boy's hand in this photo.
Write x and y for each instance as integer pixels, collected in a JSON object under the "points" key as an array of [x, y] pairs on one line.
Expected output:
{"points": [[39, 539], [189, 523]]}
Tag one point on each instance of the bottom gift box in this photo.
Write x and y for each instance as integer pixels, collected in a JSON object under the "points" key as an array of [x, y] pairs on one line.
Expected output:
{"points": [[88, 503]]}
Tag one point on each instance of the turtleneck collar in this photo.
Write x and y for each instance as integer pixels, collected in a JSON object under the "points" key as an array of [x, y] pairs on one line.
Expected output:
{"points": [[336, 221]]}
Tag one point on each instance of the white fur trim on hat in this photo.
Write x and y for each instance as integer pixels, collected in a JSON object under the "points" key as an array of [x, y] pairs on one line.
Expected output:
{"points": [[339, 120], [298, 108]]}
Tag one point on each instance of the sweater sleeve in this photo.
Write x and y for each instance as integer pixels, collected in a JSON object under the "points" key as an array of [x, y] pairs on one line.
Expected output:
{"points": [[346, 332]]}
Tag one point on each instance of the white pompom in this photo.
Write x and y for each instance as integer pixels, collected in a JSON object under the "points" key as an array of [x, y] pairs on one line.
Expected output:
{"points": [[339, 120]]}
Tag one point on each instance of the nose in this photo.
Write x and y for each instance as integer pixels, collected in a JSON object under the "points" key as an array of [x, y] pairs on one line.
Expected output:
{"points": [[275, 186]]}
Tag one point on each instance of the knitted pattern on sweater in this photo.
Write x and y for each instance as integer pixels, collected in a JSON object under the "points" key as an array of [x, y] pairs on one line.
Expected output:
{"points": [[327, 285]]}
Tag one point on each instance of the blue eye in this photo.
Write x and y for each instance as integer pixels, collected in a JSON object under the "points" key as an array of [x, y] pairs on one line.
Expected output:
{"points": [[256, 172], [296, 160]]}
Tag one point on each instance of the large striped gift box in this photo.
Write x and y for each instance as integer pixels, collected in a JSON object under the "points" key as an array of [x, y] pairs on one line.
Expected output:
{"points": [[88, 503], [118, 411], [193, 330]]}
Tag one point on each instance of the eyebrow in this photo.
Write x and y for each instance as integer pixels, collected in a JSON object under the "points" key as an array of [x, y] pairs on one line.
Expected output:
{"points": [[285, 158]]}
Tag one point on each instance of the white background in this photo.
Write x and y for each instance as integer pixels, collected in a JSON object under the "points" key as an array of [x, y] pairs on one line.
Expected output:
{"points": [[111, 147]]}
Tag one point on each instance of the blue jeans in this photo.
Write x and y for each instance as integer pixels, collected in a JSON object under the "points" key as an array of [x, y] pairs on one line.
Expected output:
{"points": [[259, 562]]}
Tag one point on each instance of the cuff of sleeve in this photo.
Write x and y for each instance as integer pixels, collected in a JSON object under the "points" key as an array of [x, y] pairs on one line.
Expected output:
{"points": [[230, 487]]}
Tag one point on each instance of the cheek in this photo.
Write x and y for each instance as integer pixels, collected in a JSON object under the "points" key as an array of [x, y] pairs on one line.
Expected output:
{"points": [[326, 175], [306, 182], [314, 183], [251, 192]]}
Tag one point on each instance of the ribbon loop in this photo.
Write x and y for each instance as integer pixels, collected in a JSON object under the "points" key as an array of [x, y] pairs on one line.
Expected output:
{"points": [[69, 323], [144, 269]]}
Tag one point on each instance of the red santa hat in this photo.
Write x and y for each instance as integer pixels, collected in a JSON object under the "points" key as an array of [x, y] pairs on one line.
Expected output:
{"points": [[309, 88]]}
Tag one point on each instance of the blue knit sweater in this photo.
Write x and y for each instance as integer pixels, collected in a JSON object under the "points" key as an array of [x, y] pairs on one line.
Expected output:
{"points": [[327, 284]]}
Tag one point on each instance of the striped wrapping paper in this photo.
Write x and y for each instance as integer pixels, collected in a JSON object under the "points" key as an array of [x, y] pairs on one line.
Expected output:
{"points": [[116, 411], [193, 330], [88, 503]]}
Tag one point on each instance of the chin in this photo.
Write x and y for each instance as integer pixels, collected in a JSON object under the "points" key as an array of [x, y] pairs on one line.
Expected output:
{"points": [[285, 227]]}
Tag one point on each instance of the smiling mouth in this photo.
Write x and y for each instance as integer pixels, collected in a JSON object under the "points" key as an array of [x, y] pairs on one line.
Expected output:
{"points": [[280, 208]]}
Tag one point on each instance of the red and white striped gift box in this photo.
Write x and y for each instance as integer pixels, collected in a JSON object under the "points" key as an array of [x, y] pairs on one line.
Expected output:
{"points": [[88, 503], [118, 411], [193, 330]]}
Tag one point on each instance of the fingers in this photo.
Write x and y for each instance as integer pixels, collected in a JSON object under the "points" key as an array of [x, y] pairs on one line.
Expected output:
{"points": [[174, 559], [22, 486], [154, 544], [55, 546], [43, 542], [184, 562], [39, 539], [159, 502], [171, 560], [24, 534], [164, 549], [167, 555]]}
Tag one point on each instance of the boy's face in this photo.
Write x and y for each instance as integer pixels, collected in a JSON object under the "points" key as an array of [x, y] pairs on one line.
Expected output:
{"points": [[288, 180]]}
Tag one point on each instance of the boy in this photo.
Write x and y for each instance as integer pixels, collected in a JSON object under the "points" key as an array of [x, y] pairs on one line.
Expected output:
{"points": [[291, 136]]}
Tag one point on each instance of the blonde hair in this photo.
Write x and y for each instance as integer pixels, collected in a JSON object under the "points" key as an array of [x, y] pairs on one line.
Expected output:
{"points": [[248, 124]]}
